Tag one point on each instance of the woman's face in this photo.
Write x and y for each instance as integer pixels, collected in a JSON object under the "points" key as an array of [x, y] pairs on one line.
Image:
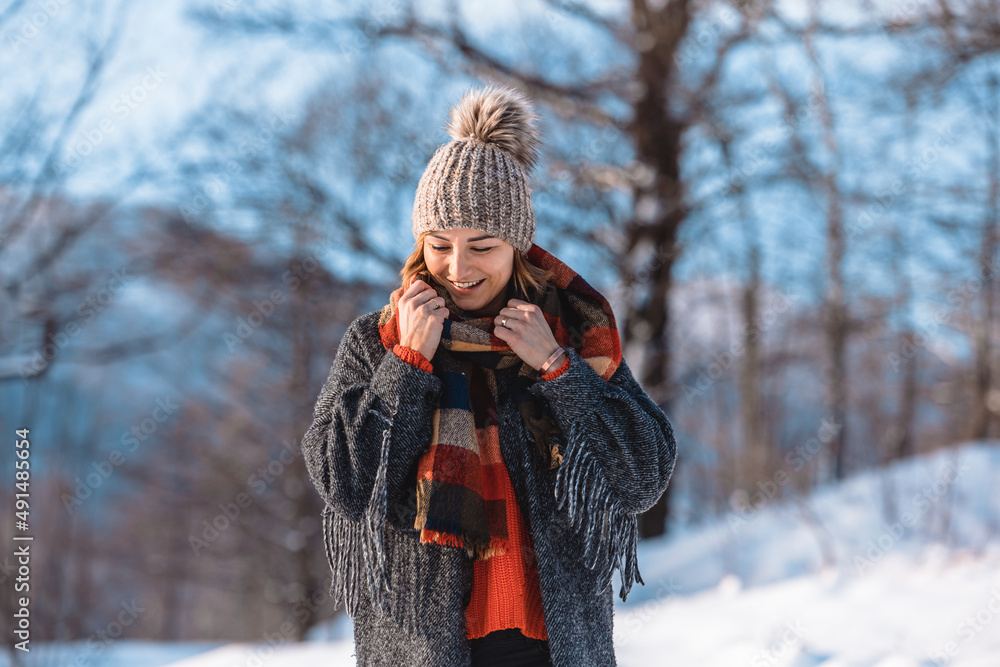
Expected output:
{"points": [[458, 256]]}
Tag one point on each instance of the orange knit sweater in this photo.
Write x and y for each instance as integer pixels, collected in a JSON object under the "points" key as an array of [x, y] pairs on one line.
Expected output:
{"points": [[505, 592], [505, 589]]}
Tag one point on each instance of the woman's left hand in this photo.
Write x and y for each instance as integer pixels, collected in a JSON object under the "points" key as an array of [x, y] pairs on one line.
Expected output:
{"points": [[526, 331]]}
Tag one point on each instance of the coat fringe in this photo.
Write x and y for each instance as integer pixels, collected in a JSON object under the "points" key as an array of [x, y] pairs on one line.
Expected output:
{"points": [[610, 532], [355, 550]]}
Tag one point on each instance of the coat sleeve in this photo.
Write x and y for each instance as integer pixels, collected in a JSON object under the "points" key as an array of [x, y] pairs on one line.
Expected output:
{"points": [[619, 457], [370, 423], [618, 425]]}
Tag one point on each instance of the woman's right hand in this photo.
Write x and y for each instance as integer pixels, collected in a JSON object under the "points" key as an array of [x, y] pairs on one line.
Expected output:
{"points": [[420, 322]]}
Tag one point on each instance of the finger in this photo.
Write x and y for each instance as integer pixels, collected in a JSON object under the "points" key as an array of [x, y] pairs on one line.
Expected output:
{"points": [[419, 285], [423, 295], [412, 289], [421, 281], [427, 305], [515, 303]]}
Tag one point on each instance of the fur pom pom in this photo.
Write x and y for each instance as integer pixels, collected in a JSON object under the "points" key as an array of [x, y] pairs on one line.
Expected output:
{"points": [[498, 115]]}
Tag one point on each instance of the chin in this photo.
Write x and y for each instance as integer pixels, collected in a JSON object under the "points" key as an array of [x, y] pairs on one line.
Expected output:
{"points": [[467, 304]]}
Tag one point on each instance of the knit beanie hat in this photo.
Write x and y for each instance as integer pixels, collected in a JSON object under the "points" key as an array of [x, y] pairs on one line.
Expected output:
{"points": [[479, 178]]}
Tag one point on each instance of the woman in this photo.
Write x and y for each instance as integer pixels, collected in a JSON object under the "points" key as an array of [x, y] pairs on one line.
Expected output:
{"points": [[481, 445]]}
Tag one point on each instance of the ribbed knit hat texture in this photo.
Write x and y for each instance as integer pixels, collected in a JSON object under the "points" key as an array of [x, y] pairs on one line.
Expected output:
{"points": [[479, 178]]}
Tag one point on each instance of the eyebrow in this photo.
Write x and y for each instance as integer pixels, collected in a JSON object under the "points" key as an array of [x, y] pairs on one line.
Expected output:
{"points": [[472, 240]]}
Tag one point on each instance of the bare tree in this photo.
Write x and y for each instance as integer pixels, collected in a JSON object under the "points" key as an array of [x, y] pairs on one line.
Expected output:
{"points": [[653, 34], [986, 391]]}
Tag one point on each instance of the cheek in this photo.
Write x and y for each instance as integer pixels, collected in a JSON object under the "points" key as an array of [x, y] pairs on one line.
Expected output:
{"points": [[433, 265], [502, 268]]}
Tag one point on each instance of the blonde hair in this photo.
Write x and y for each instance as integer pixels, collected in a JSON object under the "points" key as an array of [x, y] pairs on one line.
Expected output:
{"points": [[527, 276]]}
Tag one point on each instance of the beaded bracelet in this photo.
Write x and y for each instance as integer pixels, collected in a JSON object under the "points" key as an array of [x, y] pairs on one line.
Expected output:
{"points": [[551, 360]]}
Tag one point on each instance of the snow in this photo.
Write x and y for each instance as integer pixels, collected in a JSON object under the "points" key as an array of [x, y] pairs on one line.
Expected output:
{"points": [[898, 613], [910, 578]]}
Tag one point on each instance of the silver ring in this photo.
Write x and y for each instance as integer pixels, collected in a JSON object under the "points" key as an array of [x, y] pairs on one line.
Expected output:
{"points": [[503, 322]]}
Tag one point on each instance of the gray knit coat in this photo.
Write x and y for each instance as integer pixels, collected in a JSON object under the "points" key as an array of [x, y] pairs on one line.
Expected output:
{"points": [[408, 599]]}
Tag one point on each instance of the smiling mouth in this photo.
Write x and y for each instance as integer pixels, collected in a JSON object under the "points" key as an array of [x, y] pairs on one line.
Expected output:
{"points": [[467, 286]]}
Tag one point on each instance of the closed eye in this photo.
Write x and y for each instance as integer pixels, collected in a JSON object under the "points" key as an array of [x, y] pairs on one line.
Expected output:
{"points": [[440, 248]]}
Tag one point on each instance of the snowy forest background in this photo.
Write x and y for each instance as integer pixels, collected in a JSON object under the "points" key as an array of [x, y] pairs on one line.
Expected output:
{"points": [[793, 206]]}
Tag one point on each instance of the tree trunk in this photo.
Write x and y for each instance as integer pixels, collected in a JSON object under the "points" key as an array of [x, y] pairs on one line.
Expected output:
{"points": [[756, 454], [834, 298], [659, 211], [901, 444], [982, 407]]}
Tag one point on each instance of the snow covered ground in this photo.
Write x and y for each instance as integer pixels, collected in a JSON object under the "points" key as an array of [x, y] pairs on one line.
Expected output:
{"points": [[889, 569]]}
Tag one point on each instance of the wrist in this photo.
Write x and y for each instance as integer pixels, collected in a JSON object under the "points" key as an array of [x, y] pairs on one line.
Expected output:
{"points": [[554, 360], [413, 357], [413, 346]]}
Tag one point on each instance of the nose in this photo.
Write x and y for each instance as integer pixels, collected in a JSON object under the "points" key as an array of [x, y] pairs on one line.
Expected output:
{"points": [[457, 263]]}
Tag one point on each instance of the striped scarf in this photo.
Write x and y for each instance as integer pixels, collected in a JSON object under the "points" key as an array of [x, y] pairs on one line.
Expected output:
{"points": [[459, 500]]}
